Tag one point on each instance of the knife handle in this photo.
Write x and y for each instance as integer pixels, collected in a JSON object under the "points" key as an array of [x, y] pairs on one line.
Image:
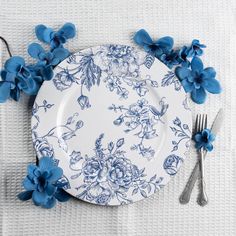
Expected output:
{"points": [[186, 194]]}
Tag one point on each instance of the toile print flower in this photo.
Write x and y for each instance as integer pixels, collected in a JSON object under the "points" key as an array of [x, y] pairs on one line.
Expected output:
{"points": [[141, 119], [110, 175], [43, 148]]}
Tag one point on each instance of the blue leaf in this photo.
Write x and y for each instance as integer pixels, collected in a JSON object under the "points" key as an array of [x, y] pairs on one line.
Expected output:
{"points": [[120, 142], [68, 135], [135, 191], [153, 178], [143, 193], [79, 124], [110, 146], [91, 73]]}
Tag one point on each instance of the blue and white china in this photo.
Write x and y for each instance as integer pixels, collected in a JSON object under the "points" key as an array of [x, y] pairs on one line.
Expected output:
{"points": [[116, 120]]}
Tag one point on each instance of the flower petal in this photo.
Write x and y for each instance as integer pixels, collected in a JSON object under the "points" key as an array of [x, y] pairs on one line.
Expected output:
{"points": [[39, 198], [28, 184], [29, 86], [50, 203], [61, 53], [209, 73], [188, 87], [209, 147], [48, 35], [50, 189], [212, 86], [14, 64], [196, 64], [198, 95], [142, 38], [198, 137], [35, 49], [15, 94], [46, 164], [55, 174], [182, 73], [24, 196], [5, 88], [62, 196], [47, 72], [166, 43], [31, 168], [198, 145], [39, 31], [67, 30]]}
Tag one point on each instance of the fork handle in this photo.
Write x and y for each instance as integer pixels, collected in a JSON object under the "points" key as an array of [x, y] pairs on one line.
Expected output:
{"points": [[186, 194], [202, 197]]}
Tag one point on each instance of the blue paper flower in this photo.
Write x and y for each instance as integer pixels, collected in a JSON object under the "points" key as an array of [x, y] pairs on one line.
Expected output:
{"points": [[170, 59], [47, 60], [183, 55], [197, 79], [8, 87], [22, 77], [42, 184], [55, 39], [204, 140], [195, 49], [155, 48]]}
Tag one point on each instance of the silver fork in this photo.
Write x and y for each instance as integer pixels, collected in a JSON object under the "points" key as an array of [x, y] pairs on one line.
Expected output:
{"points": [[202, 200]]}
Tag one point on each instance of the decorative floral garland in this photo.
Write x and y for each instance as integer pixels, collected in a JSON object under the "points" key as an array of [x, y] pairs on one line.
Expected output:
{"points": [[195, 79], [42, 182], [17, 76]]}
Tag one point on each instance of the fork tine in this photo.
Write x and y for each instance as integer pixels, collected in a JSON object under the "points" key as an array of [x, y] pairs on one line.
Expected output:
{"points": [[199, 123], [206, 122], [203, 122], [196, 123]]}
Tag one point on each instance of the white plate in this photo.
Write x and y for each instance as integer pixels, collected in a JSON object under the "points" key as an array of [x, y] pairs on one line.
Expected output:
{"points": [[116, 121]]}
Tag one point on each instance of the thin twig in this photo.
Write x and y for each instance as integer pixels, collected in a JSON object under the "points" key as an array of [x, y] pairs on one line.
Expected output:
{"points": [[7, 46]]}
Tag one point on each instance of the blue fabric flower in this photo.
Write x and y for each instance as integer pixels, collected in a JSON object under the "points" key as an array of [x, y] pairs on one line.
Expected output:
{"points": [[16, 76], [204, 140], [195, 49], [155, 48], [8, 87], [47, 60], [55, 39], [170, 59], [42, 184], [197, 79], [183, 55]]}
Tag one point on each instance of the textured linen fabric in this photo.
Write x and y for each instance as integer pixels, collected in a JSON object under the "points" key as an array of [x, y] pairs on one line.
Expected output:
{"points": [[113, 21]]}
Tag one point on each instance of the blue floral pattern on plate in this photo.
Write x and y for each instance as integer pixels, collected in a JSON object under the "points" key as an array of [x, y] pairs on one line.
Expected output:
{"points": [[120, 65], [109, 174], [116, 120], [141, 118]]}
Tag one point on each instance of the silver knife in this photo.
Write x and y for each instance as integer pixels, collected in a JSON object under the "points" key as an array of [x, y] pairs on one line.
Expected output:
{"points": [[186, 194]]}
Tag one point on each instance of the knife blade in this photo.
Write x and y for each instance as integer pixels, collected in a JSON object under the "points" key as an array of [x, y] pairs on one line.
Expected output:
{"points": [[186, 194], [218, 121]]}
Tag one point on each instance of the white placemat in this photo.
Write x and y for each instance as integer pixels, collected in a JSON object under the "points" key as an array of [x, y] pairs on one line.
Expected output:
{"points": [[113, 21]]}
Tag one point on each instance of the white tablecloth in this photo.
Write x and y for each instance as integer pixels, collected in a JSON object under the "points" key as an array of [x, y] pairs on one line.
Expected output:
{"points": [[114, 21]]}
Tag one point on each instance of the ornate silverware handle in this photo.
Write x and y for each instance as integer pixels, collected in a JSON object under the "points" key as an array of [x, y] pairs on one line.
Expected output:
{"points": [[202, 197], [186, 194]]}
